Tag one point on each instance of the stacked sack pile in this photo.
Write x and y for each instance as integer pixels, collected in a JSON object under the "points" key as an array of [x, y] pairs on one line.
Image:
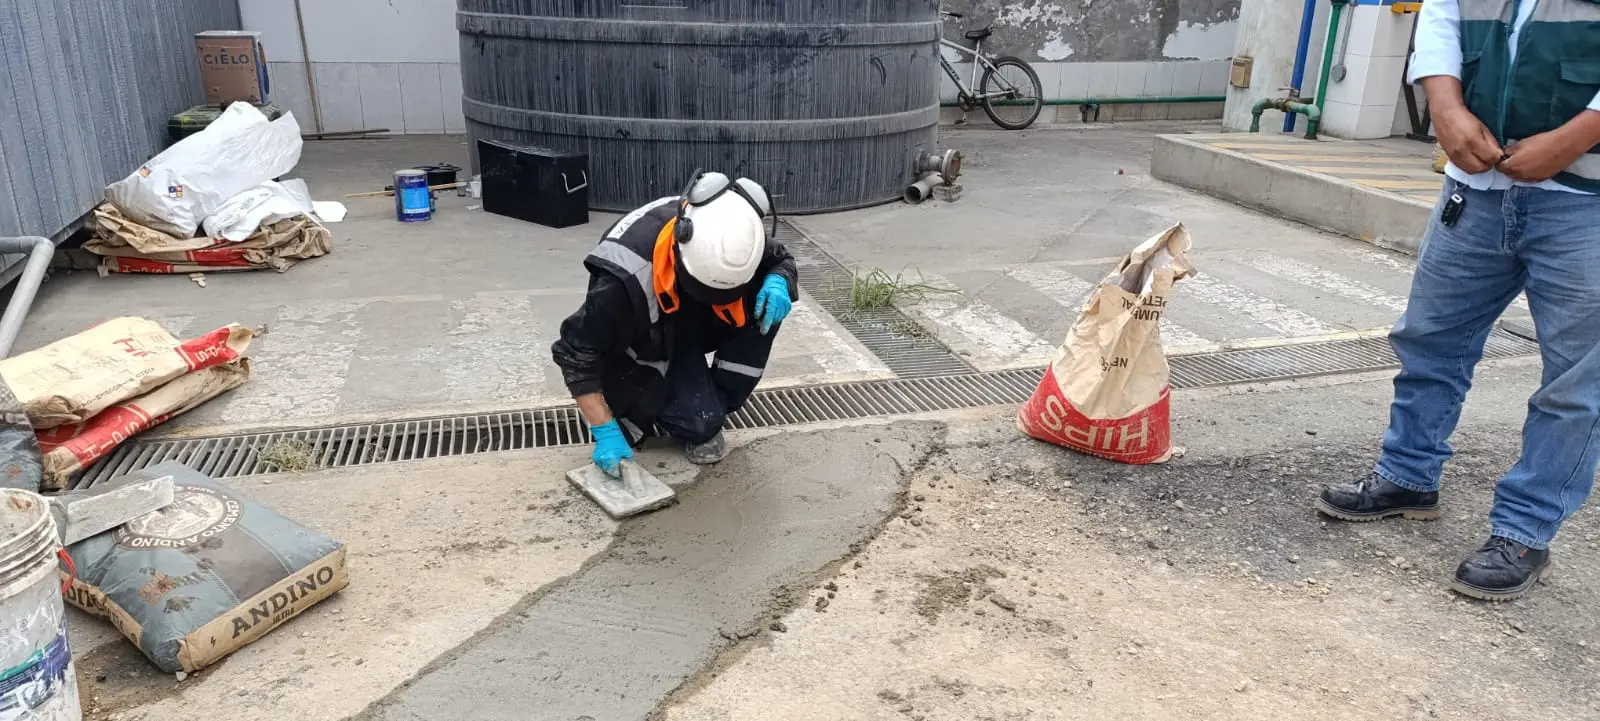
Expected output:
{"points": [[209, 203], [87, 393]]}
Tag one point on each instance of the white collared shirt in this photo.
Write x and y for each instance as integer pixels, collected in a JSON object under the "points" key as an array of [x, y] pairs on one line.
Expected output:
{"points": [[1438, 52]]}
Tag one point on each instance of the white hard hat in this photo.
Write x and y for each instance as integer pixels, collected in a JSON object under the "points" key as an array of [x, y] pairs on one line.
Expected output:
{"points": [[727, 244]]}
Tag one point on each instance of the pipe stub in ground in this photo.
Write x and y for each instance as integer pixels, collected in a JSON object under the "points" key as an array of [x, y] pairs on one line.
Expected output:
{"points": [[922, 189]]}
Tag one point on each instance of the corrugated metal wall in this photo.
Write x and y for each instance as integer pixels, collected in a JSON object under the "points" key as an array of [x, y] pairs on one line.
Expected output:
{"points": [[86, 87]]}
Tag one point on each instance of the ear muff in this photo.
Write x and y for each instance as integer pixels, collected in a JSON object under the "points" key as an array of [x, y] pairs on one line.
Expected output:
{"points": [[684, 230]]}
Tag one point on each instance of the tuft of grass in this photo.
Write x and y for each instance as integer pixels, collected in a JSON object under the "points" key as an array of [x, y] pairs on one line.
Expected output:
{"points": [[876, 289], [289, 455]]}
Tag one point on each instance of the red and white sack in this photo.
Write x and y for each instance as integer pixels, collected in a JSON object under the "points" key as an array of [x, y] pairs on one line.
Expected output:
{"points": [[69, 449], [1106, 392], [77, 377]]}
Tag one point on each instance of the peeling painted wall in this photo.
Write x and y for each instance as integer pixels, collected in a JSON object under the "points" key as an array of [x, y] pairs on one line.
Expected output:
{"points": [[1103, 30]]}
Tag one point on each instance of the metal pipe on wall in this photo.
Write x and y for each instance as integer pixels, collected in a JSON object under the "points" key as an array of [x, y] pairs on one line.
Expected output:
{"points": [[40, 251], [1308, 17]]}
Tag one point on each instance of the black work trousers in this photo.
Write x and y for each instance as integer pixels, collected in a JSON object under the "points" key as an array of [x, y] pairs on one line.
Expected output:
{"points": [[692, 402]]}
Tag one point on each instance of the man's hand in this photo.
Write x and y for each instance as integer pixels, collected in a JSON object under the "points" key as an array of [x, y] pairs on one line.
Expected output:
{"points": [[1543, 156], [1466, 139], [1463, 136]]}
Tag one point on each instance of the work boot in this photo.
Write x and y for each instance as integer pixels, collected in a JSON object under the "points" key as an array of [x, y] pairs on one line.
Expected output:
{"points": [[1374, 498], [1500, 571], [705, 454]]}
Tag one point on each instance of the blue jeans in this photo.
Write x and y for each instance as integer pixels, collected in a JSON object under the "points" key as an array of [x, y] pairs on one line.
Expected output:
{"points": [[1506, 241]]}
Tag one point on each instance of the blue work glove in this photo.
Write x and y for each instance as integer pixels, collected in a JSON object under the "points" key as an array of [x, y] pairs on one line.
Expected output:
{"points": [[772, 303], [610, 447]]}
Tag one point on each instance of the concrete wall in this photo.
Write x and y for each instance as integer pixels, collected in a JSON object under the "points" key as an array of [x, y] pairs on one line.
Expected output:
{"points": [[377, 63], [1109, 48]]}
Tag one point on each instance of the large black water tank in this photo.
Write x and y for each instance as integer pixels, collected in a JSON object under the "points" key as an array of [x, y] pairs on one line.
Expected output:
{"points": [[827, 102]]}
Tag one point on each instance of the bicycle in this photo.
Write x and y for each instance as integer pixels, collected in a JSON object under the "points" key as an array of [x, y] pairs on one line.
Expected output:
{"points": [[1009, 94]]}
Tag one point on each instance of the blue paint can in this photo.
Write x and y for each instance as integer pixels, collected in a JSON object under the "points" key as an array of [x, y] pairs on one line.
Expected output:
{"points": [[412, 201]]}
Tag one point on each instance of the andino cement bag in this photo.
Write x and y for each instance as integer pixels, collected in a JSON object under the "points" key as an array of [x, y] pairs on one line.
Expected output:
{"points": [[202, 578], [1105, 393], [73, 379]]}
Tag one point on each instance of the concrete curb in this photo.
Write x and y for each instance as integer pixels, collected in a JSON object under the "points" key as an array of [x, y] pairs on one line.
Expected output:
{"points": [[1322, 201]]}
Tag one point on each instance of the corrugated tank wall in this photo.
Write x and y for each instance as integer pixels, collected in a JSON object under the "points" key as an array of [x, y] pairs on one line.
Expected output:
{"points": [[86, 87], [826, 102]]}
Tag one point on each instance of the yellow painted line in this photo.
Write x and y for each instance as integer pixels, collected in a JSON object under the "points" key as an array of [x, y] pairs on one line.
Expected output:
{"points": [[1399, 184], [1351, 149], [1336, 169], [1233, 145], [1406, 159], [1277, 342]]}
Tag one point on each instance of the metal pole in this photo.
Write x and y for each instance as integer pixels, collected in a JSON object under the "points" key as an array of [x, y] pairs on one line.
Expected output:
{"points": [[311, 75], [40, 251]]}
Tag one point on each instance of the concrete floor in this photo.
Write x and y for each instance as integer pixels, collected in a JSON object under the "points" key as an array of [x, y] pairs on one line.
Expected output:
{"points": [[457, 314], [847, 572], [944, 568]]}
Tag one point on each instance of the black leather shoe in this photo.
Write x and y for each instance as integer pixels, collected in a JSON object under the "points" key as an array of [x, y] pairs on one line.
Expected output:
{"points": [[1374, 498], [1501, 570]]}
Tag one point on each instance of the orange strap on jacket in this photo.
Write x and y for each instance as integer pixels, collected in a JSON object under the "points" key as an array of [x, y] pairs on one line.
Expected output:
{"points": [[664, 274]]}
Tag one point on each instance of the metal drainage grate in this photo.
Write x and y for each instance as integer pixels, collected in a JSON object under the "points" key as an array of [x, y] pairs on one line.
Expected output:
{"points": [[895, 339], [365, 444]]}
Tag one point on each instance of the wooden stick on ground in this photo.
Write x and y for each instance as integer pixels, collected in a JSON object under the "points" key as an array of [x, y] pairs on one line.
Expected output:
{"points": [[376, 193]]}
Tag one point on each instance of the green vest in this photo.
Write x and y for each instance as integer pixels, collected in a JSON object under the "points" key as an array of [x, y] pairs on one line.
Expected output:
{"points": [[1554, 77]]}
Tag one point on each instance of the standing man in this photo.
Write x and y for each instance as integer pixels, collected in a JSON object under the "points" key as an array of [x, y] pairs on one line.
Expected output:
{"points": [[670, 283], [1512, 87]]}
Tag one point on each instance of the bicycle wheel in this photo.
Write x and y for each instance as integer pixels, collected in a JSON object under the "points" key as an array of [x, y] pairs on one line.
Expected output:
{"points": [[1022, 100]]}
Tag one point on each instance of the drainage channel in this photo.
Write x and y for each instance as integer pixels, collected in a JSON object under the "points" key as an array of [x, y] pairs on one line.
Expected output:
{"points": [[445, 436], [893, 337]]}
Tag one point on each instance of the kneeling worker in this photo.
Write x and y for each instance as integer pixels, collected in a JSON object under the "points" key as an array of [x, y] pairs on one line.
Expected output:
{"points": [[670, 283]]}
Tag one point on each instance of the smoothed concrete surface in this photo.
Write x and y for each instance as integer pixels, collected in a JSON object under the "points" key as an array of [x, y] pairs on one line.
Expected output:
{"points": [[613, 641], [438, 551], [1316, 199]]}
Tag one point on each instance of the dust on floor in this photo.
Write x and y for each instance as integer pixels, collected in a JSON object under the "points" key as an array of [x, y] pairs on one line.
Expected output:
{"points": [[1027, 583]]}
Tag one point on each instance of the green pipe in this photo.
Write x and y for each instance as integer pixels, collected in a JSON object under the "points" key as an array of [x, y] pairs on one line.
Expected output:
{"points": [[1155, 100], [1327, 53], [1288, 105]]}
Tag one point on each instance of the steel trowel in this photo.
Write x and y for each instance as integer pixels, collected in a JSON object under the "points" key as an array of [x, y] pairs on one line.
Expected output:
{"points": [[631, 494]]}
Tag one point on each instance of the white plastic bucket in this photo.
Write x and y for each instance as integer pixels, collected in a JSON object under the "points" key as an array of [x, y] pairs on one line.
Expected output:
{"points": [[37, 679]]}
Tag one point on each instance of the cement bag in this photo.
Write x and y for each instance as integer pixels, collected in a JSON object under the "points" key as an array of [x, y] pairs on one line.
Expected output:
{"points": [[112, 229], [72, 448], [1105, 392], [178, 188], [264, 204], [277, 247], [72, 379], [20, 462], [202, 578]]}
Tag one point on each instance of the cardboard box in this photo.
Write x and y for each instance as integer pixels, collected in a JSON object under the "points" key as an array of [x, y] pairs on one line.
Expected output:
{"points": [[232, 67]]}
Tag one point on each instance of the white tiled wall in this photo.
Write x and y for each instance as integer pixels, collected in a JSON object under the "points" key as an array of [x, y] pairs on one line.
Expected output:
{"points": [[1073, 81], [378, 63], [403, 97], [1363, 104]]}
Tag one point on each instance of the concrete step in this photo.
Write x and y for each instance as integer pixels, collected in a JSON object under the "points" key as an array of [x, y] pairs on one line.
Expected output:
{"points": [[1378, 193]]}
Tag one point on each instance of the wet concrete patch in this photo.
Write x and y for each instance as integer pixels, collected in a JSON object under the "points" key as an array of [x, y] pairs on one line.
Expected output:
{"points": [[678, 586]]}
